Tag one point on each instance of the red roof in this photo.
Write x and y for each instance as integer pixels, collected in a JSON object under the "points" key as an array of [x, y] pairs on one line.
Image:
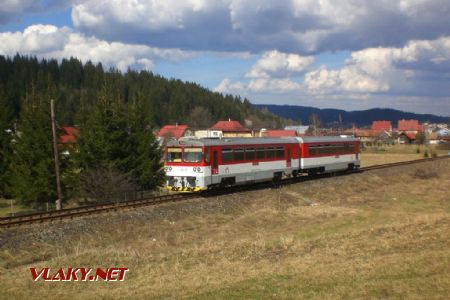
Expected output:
{"points": [[279, 133], [229, 126], [366, 133], [409, 135], [69, 135], [381, 125], [409, 125], [175, 131]]}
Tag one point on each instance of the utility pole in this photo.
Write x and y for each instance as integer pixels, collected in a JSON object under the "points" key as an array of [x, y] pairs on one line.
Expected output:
{"points": [[55, 151]]}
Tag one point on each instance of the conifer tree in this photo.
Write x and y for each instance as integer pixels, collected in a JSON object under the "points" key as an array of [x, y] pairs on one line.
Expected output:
{"points": [[32, 168], [145, 156], [104, 137], [103, 148], [6, 124]]}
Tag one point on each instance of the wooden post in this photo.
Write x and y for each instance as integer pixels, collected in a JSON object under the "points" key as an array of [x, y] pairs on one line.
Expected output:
{"points": [[55, 151]]}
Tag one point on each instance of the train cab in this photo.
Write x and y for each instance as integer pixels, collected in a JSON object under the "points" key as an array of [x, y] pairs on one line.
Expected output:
{"points": [[186, 166]]}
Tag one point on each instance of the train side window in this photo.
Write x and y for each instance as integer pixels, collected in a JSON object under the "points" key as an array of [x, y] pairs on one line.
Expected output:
{"points": [[349, 148], [250, 154], [270, 152], [279, 152], [260, 153], [227, 155], [320, 149], [238, 154], [312, 150]]}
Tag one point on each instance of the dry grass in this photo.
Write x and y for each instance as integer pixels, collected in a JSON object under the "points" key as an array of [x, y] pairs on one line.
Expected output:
{"points": [[397, 153], [383, 234]]}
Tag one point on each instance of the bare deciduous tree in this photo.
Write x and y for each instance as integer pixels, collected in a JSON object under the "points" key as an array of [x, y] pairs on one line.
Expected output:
{"points": [[315, 123], [106, 184]]}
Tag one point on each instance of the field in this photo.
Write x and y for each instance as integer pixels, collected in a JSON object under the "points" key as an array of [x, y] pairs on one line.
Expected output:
{"points": [[396, 153], [381, 234]]}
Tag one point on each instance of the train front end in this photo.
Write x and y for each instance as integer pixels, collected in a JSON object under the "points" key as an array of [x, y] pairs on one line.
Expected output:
{"points": [[186, 167]]}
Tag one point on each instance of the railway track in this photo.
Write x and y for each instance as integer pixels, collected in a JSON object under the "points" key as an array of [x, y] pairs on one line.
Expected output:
{"points": [[70, 213]]}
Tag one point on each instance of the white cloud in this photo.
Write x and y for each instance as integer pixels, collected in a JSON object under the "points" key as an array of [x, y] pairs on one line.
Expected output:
{"points": [[374, 70], [277, 64], [13, 10], [271, 73], [151, 15], [403, 77], [53, 42], [226, 87], [283, 85], [291, 26]]}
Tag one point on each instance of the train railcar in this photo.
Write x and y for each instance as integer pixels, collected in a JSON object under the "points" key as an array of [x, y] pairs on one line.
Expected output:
{"points": [[199, 164], [326, 154]]}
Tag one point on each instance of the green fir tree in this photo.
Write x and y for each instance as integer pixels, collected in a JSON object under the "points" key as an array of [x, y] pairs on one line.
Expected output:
{"points": [[145, 156], [32, 168], [6, 127], [103, 136]]}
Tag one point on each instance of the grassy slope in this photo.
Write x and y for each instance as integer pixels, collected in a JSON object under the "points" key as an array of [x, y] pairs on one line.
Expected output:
{"points": [[383, 234]]}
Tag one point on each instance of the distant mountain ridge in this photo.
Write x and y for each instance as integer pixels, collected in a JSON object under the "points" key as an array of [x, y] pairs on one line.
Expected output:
{"points": [[360, 118]]}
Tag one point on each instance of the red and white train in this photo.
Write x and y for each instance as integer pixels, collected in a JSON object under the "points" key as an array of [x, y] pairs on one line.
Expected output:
{"points": [[200, 164]]}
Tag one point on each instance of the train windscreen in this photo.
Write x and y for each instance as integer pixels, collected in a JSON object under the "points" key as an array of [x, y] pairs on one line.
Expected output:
{"points": [[174, 154], [193, 155]]}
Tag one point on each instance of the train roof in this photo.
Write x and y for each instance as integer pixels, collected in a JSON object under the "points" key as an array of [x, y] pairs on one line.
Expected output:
{"points": [[201, 142], [324, 139]]}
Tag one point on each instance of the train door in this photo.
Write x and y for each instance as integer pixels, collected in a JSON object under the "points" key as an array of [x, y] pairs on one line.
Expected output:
{"points": [[215, 162], [288, 157]]}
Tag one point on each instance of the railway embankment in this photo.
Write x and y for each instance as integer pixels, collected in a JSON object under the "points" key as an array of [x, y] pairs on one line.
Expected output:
{"points": [[378, 234]]}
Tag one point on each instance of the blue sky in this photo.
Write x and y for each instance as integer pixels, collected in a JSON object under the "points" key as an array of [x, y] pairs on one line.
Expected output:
{"points": [[348, 54]]}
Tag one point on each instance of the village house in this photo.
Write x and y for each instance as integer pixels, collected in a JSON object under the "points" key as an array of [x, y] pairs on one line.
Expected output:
{"points": [[380, 126], [231, 129], [169, 132], [68, 136], [277, 133], [208, 133]]}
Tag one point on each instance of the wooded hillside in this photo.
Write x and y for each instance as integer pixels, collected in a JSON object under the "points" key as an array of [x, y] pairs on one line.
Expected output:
{"points": [[76, 86]]}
